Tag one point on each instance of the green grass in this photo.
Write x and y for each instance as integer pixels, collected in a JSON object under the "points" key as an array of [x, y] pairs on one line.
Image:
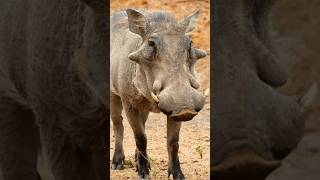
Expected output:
{"points": [[199, 149]]}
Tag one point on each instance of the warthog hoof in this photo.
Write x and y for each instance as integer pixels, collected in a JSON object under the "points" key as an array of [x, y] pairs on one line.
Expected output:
{"points": [[176, 173], [143, 173], [145, 177], [143, 170], [117, 161]]}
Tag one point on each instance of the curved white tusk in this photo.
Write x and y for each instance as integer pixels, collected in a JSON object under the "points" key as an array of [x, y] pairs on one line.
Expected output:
{"points": [[206, 93], [155, 98], [308, 100]]}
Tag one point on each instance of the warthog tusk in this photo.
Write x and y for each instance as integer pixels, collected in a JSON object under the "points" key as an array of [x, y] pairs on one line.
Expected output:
{"points": [[154, 97], [308, 100], [206, 93]]}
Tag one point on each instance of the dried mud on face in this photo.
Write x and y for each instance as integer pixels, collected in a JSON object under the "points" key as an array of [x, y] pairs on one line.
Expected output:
{"points": [[194, 151]]}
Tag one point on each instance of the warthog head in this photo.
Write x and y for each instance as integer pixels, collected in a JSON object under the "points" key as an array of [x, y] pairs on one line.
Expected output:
{"points": [[166, 57], [255, 126]]}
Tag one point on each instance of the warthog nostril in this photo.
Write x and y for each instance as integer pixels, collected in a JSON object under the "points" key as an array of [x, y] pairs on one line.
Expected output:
{"points": [[244, 163], [184, 115]]}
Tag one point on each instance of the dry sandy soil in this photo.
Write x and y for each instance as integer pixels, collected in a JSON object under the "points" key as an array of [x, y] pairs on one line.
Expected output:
{"points": [[195, 135]]}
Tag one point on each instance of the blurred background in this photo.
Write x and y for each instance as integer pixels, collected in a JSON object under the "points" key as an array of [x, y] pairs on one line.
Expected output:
{"points": [[194, 143]]}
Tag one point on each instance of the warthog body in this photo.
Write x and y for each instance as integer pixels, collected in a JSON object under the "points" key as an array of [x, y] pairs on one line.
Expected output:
{"points": [[152, 69], [53, 88], [254, 125]]}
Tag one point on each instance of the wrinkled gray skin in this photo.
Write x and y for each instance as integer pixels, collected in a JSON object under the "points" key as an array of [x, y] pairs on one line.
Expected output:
{"points": [[254, 126], [151, 53], [53, 88]]}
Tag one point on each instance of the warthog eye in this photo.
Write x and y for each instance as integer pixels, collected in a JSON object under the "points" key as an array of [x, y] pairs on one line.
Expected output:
{"points": [[149, 51], [151, 43]]}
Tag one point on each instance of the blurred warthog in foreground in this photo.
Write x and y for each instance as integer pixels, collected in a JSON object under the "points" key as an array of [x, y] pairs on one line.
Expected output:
{"points": [[254, 126], [53, 88]]}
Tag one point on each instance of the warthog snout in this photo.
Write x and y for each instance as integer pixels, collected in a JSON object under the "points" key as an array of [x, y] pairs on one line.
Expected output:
{"points": [[181, 103]]}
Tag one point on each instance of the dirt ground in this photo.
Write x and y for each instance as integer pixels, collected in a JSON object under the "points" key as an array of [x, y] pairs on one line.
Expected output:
{"points": [[194, 151]]}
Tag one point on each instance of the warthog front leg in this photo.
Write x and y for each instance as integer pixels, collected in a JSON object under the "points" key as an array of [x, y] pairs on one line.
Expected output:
{"points": [[173, 130], [115, 112], [137, 121]]}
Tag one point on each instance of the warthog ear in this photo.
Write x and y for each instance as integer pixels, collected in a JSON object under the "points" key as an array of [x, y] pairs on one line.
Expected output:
{"points": [[189, 22], [138, 23]]}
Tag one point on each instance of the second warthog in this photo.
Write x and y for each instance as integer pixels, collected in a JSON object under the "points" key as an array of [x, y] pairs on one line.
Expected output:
{"points": [[152, 69]]}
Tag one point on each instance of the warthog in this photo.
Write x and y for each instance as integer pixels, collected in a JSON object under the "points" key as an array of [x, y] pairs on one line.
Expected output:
{"points": [[152, 69], [53, 88], [254, 125]]}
